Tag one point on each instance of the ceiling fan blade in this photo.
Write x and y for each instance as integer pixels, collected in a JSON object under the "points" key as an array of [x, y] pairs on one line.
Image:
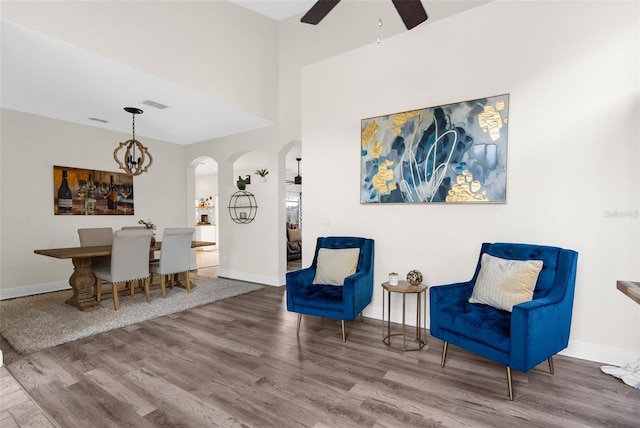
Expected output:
{"points": [[318, 11], [411, 11]]}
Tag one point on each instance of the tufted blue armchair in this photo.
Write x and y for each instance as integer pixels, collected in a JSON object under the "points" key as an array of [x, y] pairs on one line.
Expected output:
{"points": [[533, 332], [344, 302]]}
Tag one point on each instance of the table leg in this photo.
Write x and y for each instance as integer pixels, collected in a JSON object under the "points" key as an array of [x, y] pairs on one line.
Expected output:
{"points": [[404, 334], [82, 281]]}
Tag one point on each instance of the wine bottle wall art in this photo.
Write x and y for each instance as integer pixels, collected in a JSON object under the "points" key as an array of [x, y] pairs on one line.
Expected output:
{"points": [[81, 191]]}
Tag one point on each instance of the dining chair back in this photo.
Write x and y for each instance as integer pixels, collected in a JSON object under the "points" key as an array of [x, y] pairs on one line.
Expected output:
{"points": [[129, 263], [90, 237], [175, 256], [94, 236]]}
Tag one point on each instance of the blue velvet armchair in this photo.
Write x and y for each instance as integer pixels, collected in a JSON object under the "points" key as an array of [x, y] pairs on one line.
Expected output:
{"points": [[344, 302], [534, 331]]}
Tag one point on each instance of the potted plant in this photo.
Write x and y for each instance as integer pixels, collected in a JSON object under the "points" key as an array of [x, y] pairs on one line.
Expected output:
{"points": [[263, 174], [151, 227]]}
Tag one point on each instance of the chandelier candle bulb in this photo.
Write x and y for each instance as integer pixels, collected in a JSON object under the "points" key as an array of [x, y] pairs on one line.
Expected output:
{"points": [[393, 278]]}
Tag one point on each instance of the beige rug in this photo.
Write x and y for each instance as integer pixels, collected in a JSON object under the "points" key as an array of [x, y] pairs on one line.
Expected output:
{"points": [[38, 322]]}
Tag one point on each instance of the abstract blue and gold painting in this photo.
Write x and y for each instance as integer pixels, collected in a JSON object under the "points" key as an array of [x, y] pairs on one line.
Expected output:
{"points": [[455, 153]]}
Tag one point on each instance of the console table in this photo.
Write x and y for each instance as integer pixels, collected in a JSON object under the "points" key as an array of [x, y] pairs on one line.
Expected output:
{"points": [[631, 289]]}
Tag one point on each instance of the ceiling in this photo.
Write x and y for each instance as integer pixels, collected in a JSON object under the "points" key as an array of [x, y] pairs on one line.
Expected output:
{"points": [[277, 10], [95, 89], [82, 87]]}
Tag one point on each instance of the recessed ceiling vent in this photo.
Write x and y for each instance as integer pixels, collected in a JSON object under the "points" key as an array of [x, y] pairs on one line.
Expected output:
{"points": [[155, 104], [95, 119]]}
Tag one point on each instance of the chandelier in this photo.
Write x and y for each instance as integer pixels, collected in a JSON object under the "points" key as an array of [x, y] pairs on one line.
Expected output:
{"points": [[134, 164]]}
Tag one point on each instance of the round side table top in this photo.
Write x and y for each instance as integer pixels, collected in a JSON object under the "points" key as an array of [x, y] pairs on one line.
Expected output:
{"points": [[404, 287]]}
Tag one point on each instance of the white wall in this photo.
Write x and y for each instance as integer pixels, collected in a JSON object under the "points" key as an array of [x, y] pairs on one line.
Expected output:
{"points": [[572, 72], [31, 146]]}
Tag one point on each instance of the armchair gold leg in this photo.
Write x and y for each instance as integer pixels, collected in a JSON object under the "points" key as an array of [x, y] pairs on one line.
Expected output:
{"points": [[551, 365], [344, 337], [510, 383], [298, 328], [445, 346]]}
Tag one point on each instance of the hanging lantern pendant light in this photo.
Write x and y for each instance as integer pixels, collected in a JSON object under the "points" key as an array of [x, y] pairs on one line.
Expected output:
{"points": [[134, 163]]}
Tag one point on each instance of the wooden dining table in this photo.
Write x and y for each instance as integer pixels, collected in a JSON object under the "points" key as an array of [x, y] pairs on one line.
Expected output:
{"points": [[82, 280]]}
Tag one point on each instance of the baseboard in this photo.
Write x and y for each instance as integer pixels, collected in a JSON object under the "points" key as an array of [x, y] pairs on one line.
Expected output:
{"points": [[248, 277], [29, 290], [600, 354]]}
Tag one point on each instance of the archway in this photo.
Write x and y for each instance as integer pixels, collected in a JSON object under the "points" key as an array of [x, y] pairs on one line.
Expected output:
{"points": [[205, 214], [290, 158]]}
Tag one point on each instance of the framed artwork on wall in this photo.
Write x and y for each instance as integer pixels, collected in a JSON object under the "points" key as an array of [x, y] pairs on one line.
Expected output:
{"points": [[454, 153], [80, 191]]}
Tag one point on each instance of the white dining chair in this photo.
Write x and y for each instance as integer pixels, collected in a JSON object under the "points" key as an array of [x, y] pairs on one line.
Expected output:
{"points": [[175, 257], [129, 263], [93, 236], [152, 254]]}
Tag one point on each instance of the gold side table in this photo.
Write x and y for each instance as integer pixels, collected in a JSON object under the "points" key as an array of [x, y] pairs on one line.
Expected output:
{"points": [[405, 288]]}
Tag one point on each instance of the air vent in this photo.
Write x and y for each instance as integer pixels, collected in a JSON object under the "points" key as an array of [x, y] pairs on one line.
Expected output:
{"points": [[95, 119], [155, 104]]}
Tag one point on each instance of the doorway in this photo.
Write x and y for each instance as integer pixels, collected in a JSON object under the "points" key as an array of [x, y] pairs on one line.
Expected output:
{"points": [[206, 216]]}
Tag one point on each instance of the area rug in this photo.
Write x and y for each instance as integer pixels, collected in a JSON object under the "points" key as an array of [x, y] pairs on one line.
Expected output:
{"points": [[38, 322]]}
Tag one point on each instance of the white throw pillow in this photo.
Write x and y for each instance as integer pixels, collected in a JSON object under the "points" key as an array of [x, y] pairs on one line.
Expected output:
{"points": [[503, 283], [334, 265]]}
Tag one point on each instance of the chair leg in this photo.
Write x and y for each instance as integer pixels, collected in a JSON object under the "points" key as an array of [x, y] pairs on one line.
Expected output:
{"points": [[131, 288], [186, 280], [172, 280], [361, 317], [98, 290], [445, 346], [551, 365], [163, 288], [146, 290], [344, 337], [114, 291], [298, 328], [509, 383]]}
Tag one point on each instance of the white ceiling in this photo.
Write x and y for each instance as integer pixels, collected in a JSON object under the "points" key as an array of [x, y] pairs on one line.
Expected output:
{"points": [[277, 10], [79, 85], [48, 77]]}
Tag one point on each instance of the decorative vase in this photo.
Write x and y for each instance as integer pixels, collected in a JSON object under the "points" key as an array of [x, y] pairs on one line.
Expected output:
{"points": [[241, 185]]}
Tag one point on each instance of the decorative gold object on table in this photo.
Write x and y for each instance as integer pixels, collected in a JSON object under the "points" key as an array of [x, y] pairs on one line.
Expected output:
{"points": [[414, 277]]}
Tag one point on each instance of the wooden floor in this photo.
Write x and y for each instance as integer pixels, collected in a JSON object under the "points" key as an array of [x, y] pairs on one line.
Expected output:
{"points": [[239, 363]]}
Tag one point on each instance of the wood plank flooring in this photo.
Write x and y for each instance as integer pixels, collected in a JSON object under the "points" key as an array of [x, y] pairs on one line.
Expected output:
{"points": [[239, 363]]}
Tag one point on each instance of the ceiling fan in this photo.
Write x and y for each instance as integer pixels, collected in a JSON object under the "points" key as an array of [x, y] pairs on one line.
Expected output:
{"points": [[411, 11], [298, 178]]}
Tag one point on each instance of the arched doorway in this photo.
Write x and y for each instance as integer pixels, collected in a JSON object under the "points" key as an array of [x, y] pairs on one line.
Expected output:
{"points": [[206, 214], [292, 154]]}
